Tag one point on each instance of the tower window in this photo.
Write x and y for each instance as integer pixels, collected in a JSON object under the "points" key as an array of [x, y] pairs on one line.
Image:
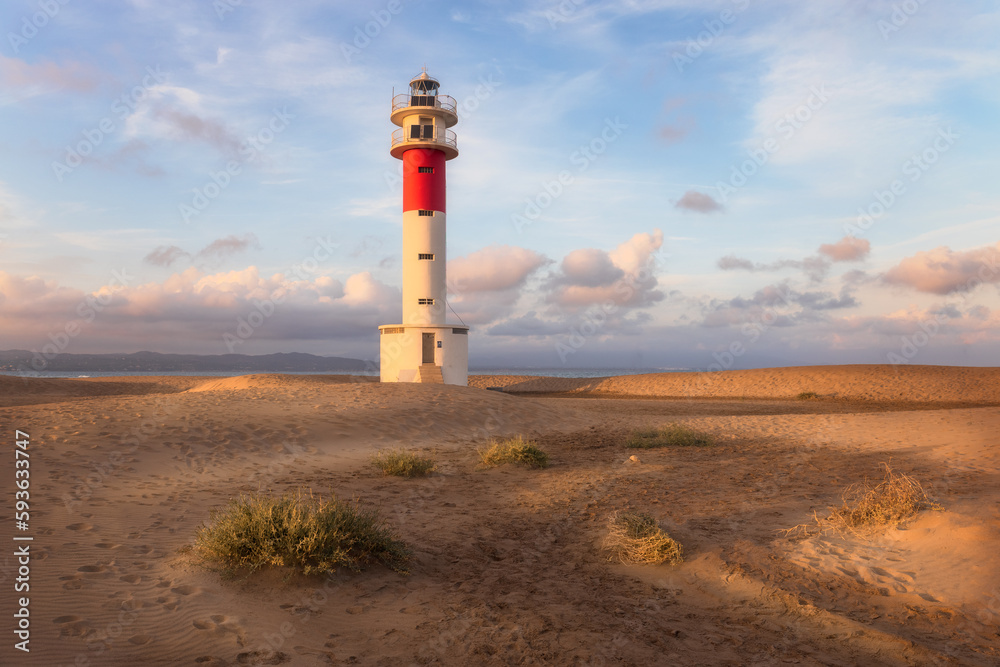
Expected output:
{"points": [[425, 170], [425, 255], [425, 213], [425, 302]]}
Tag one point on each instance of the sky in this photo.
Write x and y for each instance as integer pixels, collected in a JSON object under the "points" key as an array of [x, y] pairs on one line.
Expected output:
{"points": [[641, 183]]}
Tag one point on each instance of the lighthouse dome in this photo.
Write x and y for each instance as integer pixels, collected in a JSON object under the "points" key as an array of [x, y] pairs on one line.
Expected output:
{"points": [[424, 84]]}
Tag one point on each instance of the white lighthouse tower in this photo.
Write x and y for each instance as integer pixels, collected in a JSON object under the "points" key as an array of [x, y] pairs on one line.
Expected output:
{"points": [[424, 348]]}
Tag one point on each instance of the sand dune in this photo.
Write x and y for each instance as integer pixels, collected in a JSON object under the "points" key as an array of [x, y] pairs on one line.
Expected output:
{"points": [[277, 381], [858, 382], [507, 566]]}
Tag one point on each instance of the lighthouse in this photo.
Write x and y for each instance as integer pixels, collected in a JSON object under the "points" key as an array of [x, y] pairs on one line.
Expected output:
{"points": [[424, 347]]}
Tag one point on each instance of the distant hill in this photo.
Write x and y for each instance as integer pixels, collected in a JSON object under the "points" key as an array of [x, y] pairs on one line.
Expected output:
{"points": [[146, 362]]}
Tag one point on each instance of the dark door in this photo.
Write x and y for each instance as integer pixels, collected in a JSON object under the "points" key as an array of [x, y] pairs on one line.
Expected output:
{"points": [[428, 346]]}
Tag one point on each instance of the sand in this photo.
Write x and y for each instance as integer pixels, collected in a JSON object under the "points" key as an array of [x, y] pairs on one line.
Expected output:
{"points": [[858, 382], [507, 566]]}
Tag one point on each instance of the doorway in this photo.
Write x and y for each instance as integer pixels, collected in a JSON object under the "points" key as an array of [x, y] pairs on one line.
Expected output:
{"points": [[428, 348]]}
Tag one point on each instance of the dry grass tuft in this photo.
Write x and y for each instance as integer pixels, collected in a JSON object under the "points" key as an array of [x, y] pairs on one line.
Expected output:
{"points": [[870, 506], [807, 396], [672, 435], [512, 450], [894, 499], [634, 537], [402, 463], [299, 531]]}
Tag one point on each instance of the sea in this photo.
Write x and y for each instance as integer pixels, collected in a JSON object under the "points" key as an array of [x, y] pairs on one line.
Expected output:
{"points": [[543, 372]]}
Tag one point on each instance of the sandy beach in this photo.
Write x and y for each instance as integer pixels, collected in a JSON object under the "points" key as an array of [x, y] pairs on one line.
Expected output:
{"points": [[507, 566]]}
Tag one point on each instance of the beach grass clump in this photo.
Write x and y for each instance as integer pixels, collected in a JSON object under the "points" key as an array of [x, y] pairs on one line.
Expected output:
{"points": [[300, 531], [402, 463], [635, 537], [672, 435], [868, 505], [807, 396], [512, 450]]}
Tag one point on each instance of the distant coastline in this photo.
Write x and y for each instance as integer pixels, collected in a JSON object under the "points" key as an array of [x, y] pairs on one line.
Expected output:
{"points": [[337, 366], [25, 362]]}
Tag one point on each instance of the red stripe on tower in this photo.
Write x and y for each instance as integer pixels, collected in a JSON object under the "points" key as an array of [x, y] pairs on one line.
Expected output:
{"points": [[423, 180]]}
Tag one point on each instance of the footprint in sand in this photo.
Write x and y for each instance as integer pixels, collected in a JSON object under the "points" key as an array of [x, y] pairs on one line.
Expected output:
{"points": [[90, 569], [326, 656], [74, 582], [262, 658], [185, 590], [168, 603], [72, 626]]}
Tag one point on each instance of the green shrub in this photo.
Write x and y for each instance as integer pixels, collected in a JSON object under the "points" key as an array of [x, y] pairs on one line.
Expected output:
{"points": [[672, 435], [513, 450], [402, 463], [299, 531], [634, 537]]}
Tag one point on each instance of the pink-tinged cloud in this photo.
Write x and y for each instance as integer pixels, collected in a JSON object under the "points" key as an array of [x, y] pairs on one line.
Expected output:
{"points": [[815, 267], [692, 200], [637, 253], [218, 249], [16, 73], [946, 271], [734, 263], [192, 310], [589, 267], [165, 255], [943, 325], [493, 268], [228, 246], [847, 249], [672, 133], [192, 127], [624, 276], [485, 285]]}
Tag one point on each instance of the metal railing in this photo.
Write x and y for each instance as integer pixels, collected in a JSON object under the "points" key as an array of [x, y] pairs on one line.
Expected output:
{"points": [[443, 102], [449, 139]]}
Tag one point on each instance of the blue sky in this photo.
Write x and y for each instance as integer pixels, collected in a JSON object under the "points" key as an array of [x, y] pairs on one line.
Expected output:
{"points": [[648, 183]]}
